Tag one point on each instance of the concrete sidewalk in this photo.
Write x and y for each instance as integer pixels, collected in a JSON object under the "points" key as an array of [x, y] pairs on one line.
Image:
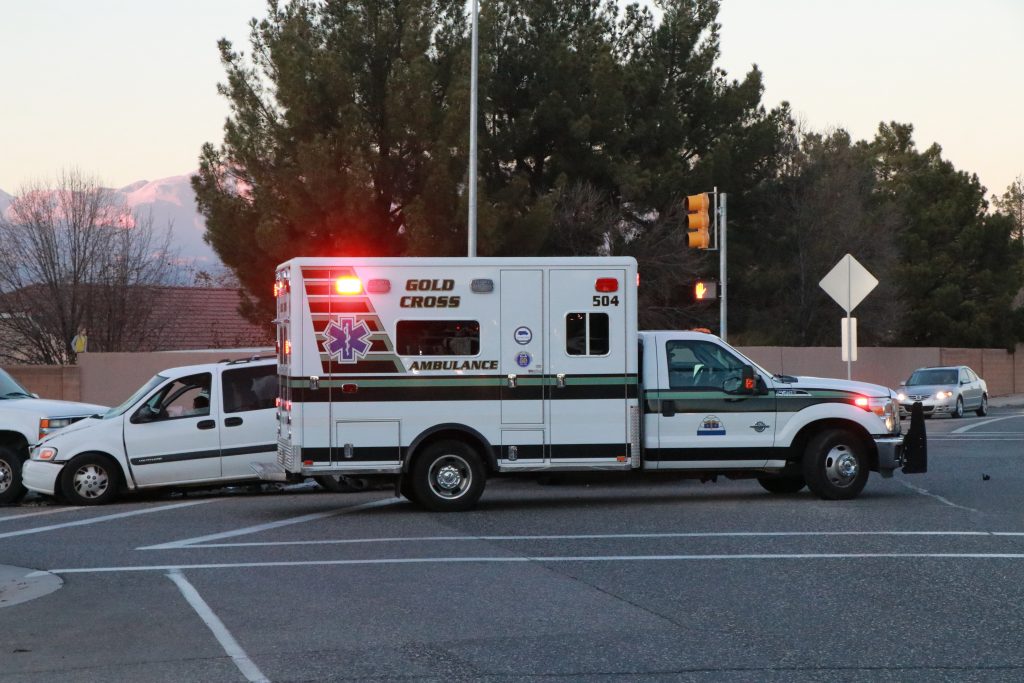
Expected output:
{"points": [[1008, 401]]}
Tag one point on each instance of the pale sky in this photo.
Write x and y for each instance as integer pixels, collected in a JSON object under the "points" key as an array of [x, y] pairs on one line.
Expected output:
{"points": [[126, 89]]}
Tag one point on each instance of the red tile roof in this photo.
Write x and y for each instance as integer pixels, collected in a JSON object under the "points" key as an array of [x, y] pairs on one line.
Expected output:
{"points": [[204, 318]]}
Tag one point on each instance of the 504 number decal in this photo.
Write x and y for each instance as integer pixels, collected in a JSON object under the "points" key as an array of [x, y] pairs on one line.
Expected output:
{"points": [[605, 300]]}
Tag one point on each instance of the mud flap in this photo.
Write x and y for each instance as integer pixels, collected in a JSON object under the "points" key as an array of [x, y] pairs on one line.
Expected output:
{"points": [[915, 443]]}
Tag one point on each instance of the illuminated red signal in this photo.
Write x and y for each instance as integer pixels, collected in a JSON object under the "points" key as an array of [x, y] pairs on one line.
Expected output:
{"points": [[348, 284]]}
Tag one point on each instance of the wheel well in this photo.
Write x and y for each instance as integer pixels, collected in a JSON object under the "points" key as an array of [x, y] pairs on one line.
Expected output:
{"points": [[15, 440], [123, 484], [462, 433], [799, 444]]}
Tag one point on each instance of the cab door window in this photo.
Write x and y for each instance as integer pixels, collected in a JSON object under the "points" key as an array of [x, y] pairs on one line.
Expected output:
{"points": [[180, 398], [694, 364]]}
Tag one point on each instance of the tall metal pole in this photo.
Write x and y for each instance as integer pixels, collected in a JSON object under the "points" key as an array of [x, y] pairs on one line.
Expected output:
{"points": [[472, 137], [724, 311]]}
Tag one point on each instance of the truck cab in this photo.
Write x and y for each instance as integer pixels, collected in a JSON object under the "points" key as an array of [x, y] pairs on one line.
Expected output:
{"points": [[711, 411]]}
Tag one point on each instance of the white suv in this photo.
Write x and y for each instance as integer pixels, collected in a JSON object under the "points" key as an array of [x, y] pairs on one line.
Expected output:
{"points": [[24, 420], [200, 424]]}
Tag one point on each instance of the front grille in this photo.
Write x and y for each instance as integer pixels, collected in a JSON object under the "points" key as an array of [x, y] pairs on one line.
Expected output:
{"points": [[918, 397]]}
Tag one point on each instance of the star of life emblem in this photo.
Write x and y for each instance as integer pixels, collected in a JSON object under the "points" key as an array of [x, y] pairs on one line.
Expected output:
{"points": [[346, 340]]}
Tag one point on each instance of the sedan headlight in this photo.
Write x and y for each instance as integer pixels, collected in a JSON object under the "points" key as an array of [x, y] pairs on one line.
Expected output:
{"points": [[943, 394], [901, 396]]}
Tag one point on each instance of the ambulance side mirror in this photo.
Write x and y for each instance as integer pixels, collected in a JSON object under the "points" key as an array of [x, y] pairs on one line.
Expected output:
{"points": [[747, 384]]}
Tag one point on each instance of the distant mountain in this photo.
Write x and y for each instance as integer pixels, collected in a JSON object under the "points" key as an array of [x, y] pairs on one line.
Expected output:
{"points": [[169, 201]]}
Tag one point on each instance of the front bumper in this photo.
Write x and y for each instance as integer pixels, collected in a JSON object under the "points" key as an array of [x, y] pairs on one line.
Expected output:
{"points": [[890, 453], [41, 477], [934, 407]]}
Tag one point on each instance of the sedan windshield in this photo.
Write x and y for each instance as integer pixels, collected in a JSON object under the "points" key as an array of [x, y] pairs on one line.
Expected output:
{"points": [[134, 398], [922, 377], [9, 387]]}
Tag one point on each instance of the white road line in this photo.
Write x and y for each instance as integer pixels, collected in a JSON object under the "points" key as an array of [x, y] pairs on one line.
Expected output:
{"points": [[39, 514], [925, 492], [584, 537], [537, 558], [967, 428], [105, 518], [188, 542], [220, 632]]}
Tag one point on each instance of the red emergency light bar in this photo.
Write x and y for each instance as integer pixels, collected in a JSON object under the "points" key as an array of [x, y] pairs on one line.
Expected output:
{"points": [[348, 284]]}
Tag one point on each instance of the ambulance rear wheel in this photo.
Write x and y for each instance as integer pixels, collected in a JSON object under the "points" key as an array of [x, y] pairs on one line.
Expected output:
{"points": [[448, 477]]}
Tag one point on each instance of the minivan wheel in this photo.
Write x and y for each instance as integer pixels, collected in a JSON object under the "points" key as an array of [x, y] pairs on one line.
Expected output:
{"points": [[91, 479], [11, 488], [448, 477], [982, 410]]}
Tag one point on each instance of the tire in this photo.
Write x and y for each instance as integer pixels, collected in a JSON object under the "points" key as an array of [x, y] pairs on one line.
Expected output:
{"points": [[340, 483], [982, 410], [835, 465], [405, 487], [958, 411], [782, 485], [448, 477], [11, 488], [91, 479]]}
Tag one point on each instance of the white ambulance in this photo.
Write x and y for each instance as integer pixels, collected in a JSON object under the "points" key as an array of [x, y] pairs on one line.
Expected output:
{"points": [[442, 372]]}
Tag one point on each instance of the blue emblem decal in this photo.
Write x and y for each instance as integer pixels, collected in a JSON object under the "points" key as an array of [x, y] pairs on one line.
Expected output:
{"points": [[523, 335], [346, 341], [711, 426], [523, 359]]}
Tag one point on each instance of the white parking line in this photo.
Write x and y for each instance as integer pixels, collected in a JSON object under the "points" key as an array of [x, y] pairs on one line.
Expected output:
{"points": [[39, 514], [967, 428], [104, 518], [188, 542], [539, 558], [586, 537], [248, 668]]}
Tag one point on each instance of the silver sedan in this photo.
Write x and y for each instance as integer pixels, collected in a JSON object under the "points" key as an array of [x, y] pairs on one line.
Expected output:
{"points": [[950, 390]]}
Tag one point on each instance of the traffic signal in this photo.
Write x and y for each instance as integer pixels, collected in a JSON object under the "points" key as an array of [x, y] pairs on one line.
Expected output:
{"points": [[698, 220], [705, 290]]}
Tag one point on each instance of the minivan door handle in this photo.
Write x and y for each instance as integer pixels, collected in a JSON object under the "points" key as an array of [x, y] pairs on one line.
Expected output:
{"points": [[206, 424], [232, 422]]}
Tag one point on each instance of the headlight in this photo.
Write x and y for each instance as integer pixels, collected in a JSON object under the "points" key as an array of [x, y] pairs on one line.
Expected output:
{"points": [[50, 425], [901, 396], [883, 407], [943, 394], [46, 454]]}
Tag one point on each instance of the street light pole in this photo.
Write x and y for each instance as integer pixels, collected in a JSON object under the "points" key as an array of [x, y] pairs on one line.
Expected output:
{"points": [[724, 310], [472, 136]]}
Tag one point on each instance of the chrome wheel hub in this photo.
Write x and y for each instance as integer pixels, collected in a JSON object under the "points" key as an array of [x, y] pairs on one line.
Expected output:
{"points": [[841, 466], [91, 481], [450, 477], [6, 476]]}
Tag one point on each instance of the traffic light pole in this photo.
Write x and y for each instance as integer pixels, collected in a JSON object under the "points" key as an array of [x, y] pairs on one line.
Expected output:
{"points": [[720, 199]]}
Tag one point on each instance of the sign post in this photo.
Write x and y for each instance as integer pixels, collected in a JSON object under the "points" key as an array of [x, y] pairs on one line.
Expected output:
{"points": [[848, 283]]}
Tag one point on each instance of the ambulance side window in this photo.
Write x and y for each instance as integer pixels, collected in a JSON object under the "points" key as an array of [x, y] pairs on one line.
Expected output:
{"points": [[587, 334], [438, 338]]}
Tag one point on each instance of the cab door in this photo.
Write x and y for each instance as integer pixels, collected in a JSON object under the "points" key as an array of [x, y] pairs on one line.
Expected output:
{"points": [[701, 423], [247, 421], [172, 437]]}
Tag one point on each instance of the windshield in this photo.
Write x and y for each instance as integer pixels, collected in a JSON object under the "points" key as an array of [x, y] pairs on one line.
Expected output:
{"points": [[156, 381], [923, 377], [9, 387], [748, 360]]}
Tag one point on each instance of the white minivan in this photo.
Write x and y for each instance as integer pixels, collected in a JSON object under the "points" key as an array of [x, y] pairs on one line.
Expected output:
{"points": [[200, 424]]}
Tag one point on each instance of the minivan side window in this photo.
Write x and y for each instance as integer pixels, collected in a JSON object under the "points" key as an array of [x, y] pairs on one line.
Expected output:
{"points": [[249, 388]]}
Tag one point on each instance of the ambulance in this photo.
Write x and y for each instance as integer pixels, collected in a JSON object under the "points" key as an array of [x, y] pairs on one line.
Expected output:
{"points": [[443, 372]]}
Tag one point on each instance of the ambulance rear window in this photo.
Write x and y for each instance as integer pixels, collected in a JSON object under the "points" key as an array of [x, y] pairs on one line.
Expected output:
{"points": [[586, 334], [438, 338]]}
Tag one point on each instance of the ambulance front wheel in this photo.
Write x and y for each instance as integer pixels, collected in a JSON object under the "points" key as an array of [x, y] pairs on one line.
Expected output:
{"points": [[447, 477]]}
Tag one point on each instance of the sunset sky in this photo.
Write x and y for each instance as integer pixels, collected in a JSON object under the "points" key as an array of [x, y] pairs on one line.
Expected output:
{"points": [[126, 89]]}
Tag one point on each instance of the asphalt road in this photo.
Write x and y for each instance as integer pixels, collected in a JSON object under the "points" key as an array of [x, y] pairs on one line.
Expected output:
{"points": [[919, 579]]}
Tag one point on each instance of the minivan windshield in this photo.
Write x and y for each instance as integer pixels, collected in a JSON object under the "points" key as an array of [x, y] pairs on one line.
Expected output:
{"points": [[156, 381], [9, 387], [934, 376]]}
